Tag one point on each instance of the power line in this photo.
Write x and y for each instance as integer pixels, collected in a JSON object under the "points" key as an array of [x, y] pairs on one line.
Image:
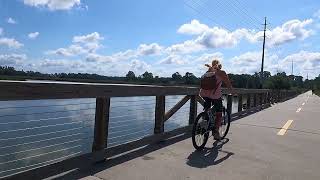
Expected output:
{"points": [[231, 12], [205, 15], [243, 14], [210, 13], [244, 9]]}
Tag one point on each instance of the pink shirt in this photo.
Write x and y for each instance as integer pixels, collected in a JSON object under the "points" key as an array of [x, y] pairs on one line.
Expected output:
{"points": [[210, 93]]}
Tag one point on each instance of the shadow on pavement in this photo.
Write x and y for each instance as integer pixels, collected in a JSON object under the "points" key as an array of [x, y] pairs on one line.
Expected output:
{"points": [[80, 173], [208, 156]]}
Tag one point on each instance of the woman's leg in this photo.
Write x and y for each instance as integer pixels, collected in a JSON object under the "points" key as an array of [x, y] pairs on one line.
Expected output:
{"points": [[218, 109]]}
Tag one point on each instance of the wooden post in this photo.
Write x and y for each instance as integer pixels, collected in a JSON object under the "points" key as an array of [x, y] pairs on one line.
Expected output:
{"points": [[159, 115], [274, 97], [229, 103], [101, 124], [239, 102], [248, 101], [193, 109], [254, 100], [266, 98]]}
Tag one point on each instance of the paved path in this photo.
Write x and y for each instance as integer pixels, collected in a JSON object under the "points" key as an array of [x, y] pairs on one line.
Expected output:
{"points": [[255, 150]]}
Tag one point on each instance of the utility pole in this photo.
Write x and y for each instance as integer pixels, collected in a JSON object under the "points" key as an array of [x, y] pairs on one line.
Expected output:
{"points": [[264, 42]]}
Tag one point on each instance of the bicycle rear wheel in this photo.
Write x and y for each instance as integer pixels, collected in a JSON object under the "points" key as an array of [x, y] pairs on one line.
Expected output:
{"points": [[200, 133], [225, 123]]}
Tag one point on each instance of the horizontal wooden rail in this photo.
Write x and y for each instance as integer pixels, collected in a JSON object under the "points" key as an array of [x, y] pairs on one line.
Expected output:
{"points": [[19, 90]]}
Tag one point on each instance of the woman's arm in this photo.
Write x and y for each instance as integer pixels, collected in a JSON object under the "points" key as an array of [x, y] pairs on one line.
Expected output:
{"points": [[223, 75]]}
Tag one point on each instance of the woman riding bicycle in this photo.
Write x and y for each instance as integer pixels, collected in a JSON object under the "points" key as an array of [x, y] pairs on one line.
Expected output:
{"points": [[214, 96]]}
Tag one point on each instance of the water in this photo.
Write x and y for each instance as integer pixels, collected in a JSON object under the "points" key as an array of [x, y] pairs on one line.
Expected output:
{"points": [[37, 132]]}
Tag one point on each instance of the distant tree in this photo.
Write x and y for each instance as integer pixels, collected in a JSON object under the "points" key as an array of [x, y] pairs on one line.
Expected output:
{"points": [[278, 81], [146, 76], [190, 78], [266, 74], [130, 75], [176, 76]]}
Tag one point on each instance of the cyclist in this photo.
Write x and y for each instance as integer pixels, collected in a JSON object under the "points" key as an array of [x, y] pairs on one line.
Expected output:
{"points": [[214, 96]]}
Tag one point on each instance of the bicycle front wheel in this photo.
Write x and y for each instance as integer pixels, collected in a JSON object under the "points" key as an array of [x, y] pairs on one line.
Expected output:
{"points": [[200, 133], [225, 123]]}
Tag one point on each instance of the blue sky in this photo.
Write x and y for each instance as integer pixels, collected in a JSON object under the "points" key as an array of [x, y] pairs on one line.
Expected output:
{"points": [[115, 36]]}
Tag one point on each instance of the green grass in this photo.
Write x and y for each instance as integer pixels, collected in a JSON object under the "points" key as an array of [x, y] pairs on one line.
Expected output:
{"points": [[13, 78], [317, 92]]}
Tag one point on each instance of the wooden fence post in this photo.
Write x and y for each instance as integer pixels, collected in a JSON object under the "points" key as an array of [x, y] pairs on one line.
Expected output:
{"points": [[278, 96], [101, 124], [193, 109], [248, 101], [239, 102], [255, 100], [159, 115], [229, 104]]}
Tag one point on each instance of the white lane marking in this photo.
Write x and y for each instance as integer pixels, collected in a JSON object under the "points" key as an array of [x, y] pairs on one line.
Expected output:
{"points": [[284, 129], [298, 110], [303, 104]]}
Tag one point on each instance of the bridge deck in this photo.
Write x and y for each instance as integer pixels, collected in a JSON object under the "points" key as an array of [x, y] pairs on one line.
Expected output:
{"points": [[254, 150]]}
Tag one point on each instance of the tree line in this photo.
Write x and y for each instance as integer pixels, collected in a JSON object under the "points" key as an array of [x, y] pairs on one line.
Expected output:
{"points": [[278, 81]]}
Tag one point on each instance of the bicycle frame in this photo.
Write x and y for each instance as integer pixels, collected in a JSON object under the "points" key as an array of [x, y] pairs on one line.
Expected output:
{"points": [[211, 119]]}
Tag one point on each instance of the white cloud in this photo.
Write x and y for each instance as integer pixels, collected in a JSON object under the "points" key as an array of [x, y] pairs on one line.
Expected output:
{"points": [[173, 59], [10, 42], [194, 28], [207, 38], [53, 4], [63, 65], [216, 37], [289, 31], [82, 45], [246, 58], [33, 35], [250, 62], [12, 59], [142, 50], [89, 38], [149, 49], [11, 21], [98, 58], [72, 50], [304, 60], [90, 41], [246, 63], [207, 58], [139, 66], [186, 47]]}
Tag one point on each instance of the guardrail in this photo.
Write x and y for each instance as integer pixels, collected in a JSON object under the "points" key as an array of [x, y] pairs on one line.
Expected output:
{"points": [[101, 148]]}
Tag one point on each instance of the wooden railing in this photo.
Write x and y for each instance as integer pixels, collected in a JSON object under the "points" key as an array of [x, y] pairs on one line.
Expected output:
{"points": [[13, 90]]}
